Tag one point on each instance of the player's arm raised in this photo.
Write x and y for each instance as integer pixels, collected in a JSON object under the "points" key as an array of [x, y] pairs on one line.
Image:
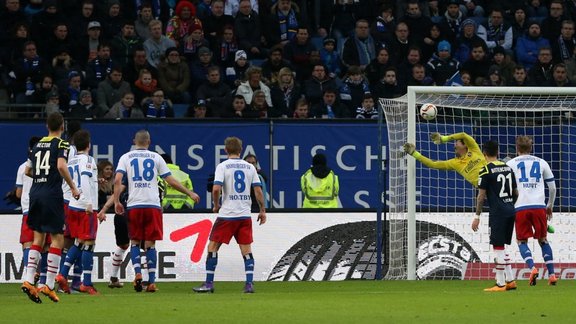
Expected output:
{"points": [[410, 149], [178, 186], [468, 140], [63, 170]]}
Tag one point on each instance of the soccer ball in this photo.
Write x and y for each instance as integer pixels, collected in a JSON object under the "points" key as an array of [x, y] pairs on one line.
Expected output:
{"points": [[428, 111]]}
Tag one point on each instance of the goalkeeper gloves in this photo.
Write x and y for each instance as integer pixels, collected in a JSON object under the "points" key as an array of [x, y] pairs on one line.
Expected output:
{"points": [[437, 138], [409, 148]]}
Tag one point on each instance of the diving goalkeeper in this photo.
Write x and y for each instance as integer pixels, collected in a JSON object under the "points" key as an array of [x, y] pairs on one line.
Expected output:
{"points": [[469, 159]]}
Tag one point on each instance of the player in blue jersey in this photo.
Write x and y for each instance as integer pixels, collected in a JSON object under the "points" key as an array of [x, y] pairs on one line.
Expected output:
{"points": [[497, 184], [47, 167], [141, 168], [233, 179]]}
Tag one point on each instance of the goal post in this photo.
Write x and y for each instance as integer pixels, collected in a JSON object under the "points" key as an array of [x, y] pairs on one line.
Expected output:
{"points": [[431, 210]]}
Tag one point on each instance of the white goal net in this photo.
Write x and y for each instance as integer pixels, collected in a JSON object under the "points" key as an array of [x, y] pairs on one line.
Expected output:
{"points": [[429, 212]]}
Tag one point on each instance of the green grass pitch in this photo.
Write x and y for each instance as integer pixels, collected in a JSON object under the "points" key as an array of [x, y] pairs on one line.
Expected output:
{"points": [[303, 302]]}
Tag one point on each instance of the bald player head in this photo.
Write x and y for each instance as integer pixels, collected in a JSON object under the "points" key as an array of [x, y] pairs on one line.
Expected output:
{"points": [[142, 139]]}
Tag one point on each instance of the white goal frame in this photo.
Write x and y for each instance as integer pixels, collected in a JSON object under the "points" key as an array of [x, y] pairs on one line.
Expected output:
{"points": [[413, 92]]}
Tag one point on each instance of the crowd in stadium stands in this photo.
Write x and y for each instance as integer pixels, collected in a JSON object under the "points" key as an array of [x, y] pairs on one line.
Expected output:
{"points": [[266, 58]]}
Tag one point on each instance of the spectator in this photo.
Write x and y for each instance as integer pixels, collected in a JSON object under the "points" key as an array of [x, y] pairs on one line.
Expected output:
{"points": [[353, 89], [388, 86], [399, 44], [441, 66], [237, 73], [111, 90], [125, 108], [552, 24], [259, 104], [329, 107], [536, 9], [105, 182], [419, 77], [81, 21], [298, 52], [478, 64], [248, 30], [136, 64], [87, 47], [571, 66], [71, 92], [215, 23], [273, 64], [519, 26], [253, 82], [467, 39], [52, 105], [141, 25], [124, 43], [342, 15], [180, 25], [470, 8], [199, 68], [431, 42], [112, 21], [519, 78], [497, 31], [413, 57], [383, 27], [329, 57], [320, 185], [59, 38], [252, 159], [375, 70], [435, 13], [302, 110], [43, 23], [494, 78], [226, 47], [62, 66], [45, 86], [285, 93], [563, 47], [317, 84], [418, 24], [145, 86], [505, 64], [84, 108], [174, 77], [99, 68], [157, 44], [240, 109], [541, 73], [157, 106], [360, 48], [198, 111], [234, 6], [368, 109], [560, 77], [283, 24], [10, 17], [452, 21], [193, 41], [528, 46], [11, 50], [213, 92], [26, 72]]}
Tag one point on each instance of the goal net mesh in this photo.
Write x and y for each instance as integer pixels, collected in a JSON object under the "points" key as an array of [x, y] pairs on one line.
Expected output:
{"points": [[446, 247]]}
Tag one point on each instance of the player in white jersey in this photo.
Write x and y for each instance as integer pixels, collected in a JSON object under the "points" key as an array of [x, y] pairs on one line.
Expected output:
{"points": [[141, 168], [23, 185], [83, 213], [234, 177], [532, 211]]}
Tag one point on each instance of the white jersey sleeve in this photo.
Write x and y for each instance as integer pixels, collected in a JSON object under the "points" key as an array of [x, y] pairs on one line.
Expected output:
{"points": [[65, 189], [85, 175], [236, 177], [25, 182], [531, 175], [141, 168]]}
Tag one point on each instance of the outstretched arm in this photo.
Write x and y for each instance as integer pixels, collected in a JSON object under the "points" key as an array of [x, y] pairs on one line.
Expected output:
{"points": [[468, 140], [410, 149]]}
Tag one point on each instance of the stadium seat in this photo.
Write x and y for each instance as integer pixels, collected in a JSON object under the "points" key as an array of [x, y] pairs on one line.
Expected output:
{"points": [[180, 110]]}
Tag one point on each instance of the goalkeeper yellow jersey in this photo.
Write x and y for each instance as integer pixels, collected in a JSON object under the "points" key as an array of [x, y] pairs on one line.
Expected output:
{"points": [[468, 166]]}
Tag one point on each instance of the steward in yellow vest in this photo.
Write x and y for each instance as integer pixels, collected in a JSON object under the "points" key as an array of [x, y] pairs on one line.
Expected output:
{"points": [[320, 185], [174, 199]]}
